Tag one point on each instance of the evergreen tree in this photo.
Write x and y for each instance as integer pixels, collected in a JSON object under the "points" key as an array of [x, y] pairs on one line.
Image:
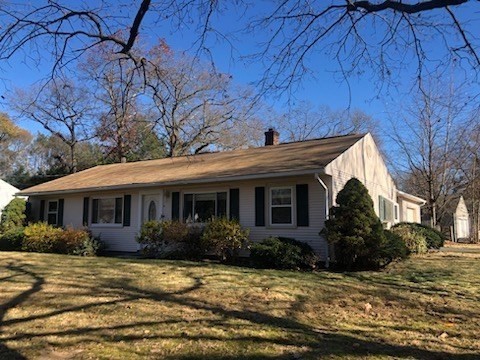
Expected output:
{"points": [[13, 215], [355, 230]]}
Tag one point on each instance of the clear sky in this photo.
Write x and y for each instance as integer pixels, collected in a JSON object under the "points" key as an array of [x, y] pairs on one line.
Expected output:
{"points": [[325, 88]]}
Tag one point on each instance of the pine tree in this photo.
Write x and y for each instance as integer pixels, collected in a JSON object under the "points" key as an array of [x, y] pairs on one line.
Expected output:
{"points": [[355, 230], [13, 215]]}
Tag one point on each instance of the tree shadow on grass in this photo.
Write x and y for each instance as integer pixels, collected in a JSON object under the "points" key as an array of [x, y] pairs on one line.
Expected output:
{"points": [[317, 342], [36, 286], [311, 342]]}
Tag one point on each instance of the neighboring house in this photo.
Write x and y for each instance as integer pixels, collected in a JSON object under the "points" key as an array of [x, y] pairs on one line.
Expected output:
{"points": [[7, 193], [275, 190], [461, 222]]}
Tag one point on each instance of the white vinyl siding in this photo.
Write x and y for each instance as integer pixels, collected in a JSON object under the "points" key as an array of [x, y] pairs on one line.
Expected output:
{"points": [[308, 234], [121, 238]]}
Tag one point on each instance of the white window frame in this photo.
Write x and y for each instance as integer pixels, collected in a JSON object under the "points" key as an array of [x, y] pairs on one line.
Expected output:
{"points": [[120, 224], [389, 203], [396, 212], [210, 191], [52, 212], [271, 206]]}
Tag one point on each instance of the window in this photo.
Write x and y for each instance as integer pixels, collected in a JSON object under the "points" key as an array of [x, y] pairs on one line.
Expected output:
{"points": [[52, 212], [107, 211], [397, 213], [281, 206], [201, 207], [386, 209], [152, 211]]}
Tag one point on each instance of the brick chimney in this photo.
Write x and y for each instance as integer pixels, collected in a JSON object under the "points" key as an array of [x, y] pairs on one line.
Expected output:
{"points": [[271, 137]]}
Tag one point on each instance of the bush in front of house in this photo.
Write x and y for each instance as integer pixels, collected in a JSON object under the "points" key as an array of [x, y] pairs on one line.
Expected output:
{"points": [[43, 238], [394, 248], [170, 239], [413, 239], [11, 240], [90, 246], [283, 253], [13, 215], [434, 238], [150, 237], [354, 229], [224, 238]]}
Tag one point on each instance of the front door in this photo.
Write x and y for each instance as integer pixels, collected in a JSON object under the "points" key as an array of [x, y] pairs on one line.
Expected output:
{"points": [[152, 207]]}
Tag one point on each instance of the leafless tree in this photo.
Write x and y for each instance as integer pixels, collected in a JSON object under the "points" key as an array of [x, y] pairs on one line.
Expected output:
{"points": [[469, 164], [305, 121], [388, 36], [62, 108], [116, 86], [428, 141], [194, 107]]}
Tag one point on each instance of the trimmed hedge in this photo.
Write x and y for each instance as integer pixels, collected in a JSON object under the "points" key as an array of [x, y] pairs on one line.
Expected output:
{"points": [[414, 240], [283, 253], [435, 239], [394, 248], [44, 238]]}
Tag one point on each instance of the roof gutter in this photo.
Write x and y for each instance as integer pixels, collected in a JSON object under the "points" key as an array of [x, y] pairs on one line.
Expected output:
{"points": [[173, 183], [411, 197], [327, 214]]}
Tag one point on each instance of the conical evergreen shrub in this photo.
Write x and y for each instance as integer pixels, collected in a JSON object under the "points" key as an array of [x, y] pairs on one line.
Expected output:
{"points": [[354, 229]]}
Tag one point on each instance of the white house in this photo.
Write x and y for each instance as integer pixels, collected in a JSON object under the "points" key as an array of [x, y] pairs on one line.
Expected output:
{"points": [[275, 190], [7, 193]]}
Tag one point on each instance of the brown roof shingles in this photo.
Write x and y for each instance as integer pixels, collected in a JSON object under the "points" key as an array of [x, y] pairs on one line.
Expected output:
{"points": [[269, 160]]}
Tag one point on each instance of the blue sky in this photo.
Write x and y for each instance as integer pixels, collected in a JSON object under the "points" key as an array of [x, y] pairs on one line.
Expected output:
{"points": [[326, 88]]}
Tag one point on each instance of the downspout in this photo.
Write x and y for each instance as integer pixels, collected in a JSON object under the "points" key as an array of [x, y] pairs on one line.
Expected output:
{"points": [[327, 214]]}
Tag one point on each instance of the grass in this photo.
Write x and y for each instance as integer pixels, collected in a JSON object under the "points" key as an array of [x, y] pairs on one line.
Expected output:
{"points": [[63, 307]]}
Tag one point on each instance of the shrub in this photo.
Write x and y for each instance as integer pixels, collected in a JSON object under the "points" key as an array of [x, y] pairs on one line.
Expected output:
{"points": [[435, 239], [71, 240], [414, 240], [166, 239], [12, 240], [395, 248], [90, 246], [41, 237], [282, 253], [13, 215], [354, 229], [224, 238]]}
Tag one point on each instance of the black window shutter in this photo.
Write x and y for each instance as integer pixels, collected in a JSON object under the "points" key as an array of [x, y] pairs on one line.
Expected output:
{"points": [[235, 204], [94, 211], [302, 205], [127, 205], [61, 203], [86, 202], [41, 216], [175, 205], [28, 211], [260, 206]]}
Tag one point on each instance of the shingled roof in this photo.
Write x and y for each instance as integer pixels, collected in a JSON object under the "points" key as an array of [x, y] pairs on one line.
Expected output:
{"points": [[275, 160]]}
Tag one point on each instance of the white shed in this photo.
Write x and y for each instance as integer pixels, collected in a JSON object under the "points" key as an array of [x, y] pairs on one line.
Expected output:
{"points": [[7, 193], [461, 221]]}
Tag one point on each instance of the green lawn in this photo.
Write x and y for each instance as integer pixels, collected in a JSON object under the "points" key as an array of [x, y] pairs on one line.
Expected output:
{"points": [[63, 307]]}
